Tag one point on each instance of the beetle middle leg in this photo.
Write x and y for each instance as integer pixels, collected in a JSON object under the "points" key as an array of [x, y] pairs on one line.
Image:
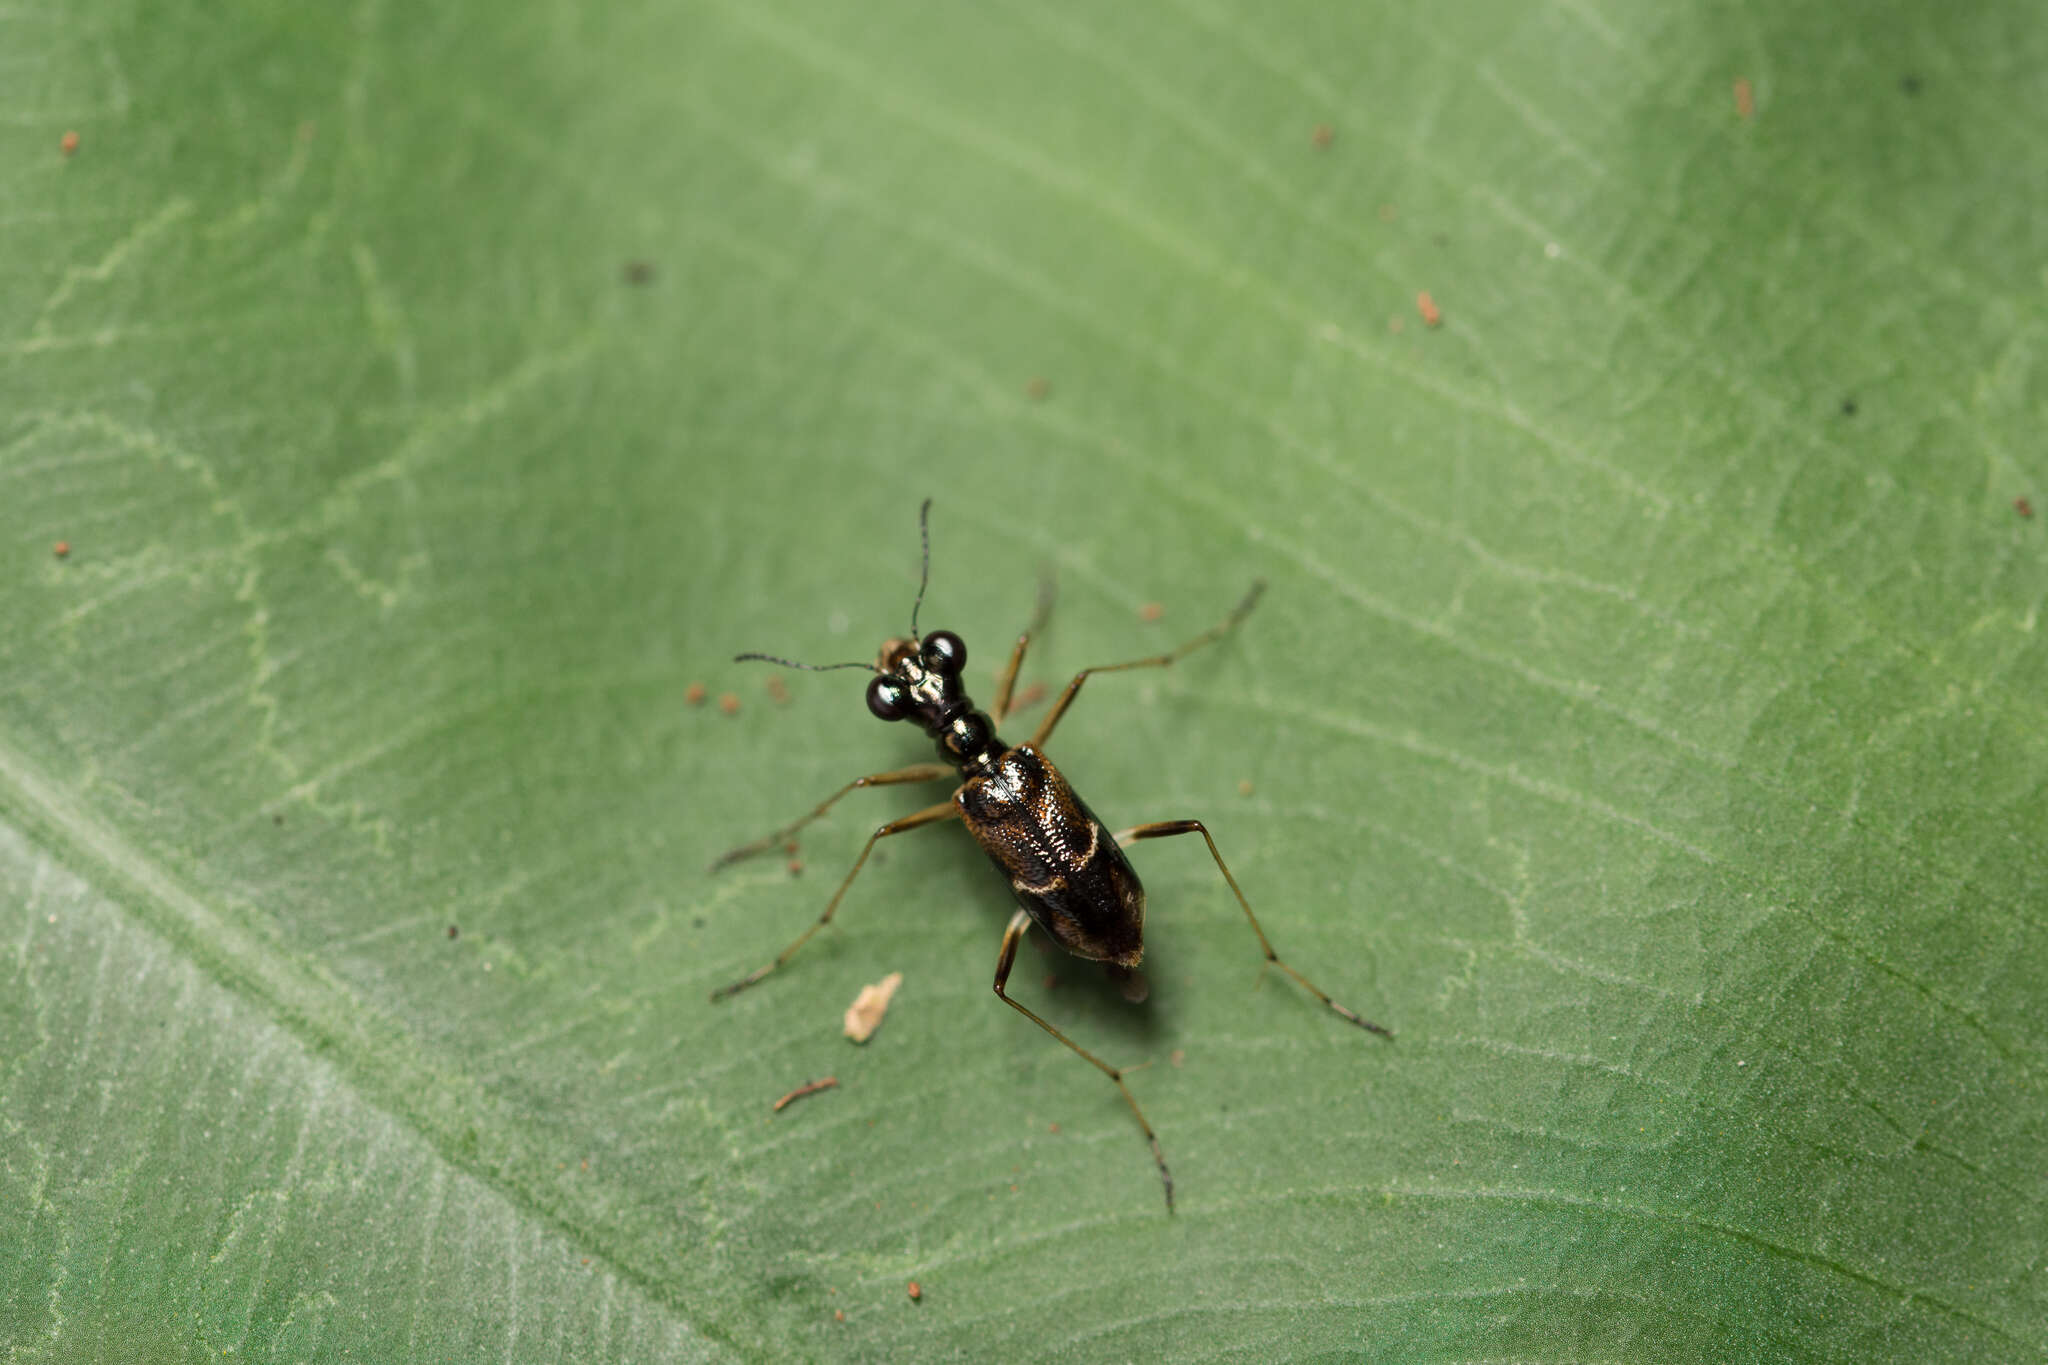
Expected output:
{"points": [[916, 772], [1209, 636], [1166, 829], [1020, 922], [944, 810]]}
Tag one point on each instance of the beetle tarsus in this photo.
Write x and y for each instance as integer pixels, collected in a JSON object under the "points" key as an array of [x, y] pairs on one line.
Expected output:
{"points": [[1368, 1025]]}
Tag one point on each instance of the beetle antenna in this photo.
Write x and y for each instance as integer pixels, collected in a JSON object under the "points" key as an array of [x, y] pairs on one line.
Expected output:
{"points": [[924, 532], [792, 663]]}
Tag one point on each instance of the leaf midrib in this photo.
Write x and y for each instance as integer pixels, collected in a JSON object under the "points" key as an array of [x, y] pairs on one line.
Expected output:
{"points": [[378, 1060]]}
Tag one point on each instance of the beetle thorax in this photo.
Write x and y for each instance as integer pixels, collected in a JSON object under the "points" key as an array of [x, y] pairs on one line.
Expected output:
{"points": [[936, 698]]}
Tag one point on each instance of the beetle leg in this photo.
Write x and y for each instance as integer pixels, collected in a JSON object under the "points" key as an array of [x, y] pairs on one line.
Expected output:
{"points": [[1020, 922], [944, 810], [1213, 633], [1166, 829], [918, 772], [1040, 614]]}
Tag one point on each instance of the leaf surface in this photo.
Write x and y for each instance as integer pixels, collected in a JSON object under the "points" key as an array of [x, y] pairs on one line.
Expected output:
{"points": [[1643, 718]]}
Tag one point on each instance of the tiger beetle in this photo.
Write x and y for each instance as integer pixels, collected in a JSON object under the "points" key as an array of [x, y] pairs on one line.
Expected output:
{"points": [[1071, 881]]}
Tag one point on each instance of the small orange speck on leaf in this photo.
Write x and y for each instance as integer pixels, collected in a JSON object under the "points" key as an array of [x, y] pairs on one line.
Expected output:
{"points": [[68, 144], [1432, 316]]}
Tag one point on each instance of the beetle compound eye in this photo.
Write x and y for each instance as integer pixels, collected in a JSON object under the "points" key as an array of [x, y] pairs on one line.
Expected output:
{"points": [[887, 699], [945, 653]]}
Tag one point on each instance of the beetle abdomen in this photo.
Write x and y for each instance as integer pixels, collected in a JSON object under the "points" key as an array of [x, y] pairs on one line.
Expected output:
{"points": [[1065, 869]]}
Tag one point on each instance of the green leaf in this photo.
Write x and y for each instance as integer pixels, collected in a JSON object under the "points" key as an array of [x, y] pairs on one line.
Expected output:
{"points": [[1644, 718]]}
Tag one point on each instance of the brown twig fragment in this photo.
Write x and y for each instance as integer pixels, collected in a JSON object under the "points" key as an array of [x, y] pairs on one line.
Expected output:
{"points": [[807, 1088]]}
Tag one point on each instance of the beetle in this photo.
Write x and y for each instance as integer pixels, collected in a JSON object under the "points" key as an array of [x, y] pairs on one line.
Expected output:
{"points": [[1069, 876]]}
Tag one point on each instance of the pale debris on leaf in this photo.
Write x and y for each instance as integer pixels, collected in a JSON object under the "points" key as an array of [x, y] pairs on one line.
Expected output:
{"points": [[864, 1016]]}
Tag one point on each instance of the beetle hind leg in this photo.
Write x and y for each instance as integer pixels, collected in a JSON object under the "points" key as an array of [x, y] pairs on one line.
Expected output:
{"points": [[1012, 936], [1166, 829]]}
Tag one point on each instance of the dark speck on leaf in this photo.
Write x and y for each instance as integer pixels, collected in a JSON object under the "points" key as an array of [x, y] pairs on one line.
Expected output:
{"points": [[1848, 407], [1910, 84], [639, 272], [697, 923], [454, 931]]}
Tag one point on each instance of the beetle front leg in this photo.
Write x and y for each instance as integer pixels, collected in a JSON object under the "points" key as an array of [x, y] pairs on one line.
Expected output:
{"points": [[1040, 614]]}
